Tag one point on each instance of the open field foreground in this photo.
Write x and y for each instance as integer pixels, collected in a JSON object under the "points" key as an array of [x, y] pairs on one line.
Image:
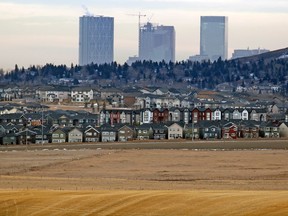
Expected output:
{"points": [[63, 181], [166, 203]]}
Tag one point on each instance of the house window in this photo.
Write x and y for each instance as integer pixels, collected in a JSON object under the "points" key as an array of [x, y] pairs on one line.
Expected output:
{"points": [[55, 135], [89, 134]]}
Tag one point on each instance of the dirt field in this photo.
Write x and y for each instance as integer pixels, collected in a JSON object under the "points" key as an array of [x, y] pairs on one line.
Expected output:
{"points": [[143, 182]]}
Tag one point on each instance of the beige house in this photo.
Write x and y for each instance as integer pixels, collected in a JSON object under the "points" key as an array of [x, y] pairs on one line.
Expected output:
{"points": [[283, 129], [175, 131], [75, 135]]}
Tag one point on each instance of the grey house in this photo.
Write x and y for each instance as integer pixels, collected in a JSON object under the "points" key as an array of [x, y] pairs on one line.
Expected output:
{"points": [[8, 139], [108, 133], [144, 132], [75, 135]]}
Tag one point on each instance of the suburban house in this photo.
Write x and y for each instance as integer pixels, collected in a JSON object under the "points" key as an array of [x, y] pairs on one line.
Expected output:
{"points": [[175, 114], [125, 133], [191, 130], [42, 136], [269, 130], [108, 133], [26, 136], [248, 129], [144, 132], [283, 129], [91, 134], [82, 94], [175, 131], [53, 94], [59, 135], [216, 114], [8, 139], [160, 115], [75, 135], [209, 130], [146, 116], [159, 131], [229, 131]]}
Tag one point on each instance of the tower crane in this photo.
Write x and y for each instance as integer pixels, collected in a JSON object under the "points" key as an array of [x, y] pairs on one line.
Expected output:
{"points": [[139, 17], [139, 26]]}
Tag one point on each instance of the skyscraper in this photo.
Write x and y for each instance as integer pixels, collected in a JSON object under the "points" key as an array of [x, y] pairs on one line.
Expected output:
{"points": [[214, 37], [96, 39], [157, 43]]}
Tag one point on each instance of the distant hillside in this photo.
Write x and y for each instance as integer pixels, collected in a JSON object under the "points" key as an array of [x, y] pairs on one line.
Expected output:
{"points": [[265, 56], [264, 70]]}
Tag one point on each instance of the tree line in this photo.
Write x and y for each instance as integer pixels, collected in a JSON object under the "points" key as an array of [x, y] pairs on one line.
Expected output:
{"points": [[204, 75]]}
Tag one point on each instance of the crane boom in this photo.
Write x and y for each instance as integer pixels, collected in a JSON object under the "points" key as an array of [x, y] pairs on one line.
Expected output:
{"points": [[139, 17]]}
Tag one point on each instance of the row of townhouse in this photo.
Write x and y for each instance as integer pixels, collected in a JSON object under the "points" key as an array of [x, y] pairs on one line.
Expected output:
{"points": [[135, 117], [186, 115], [59, 118], [11, 134], [76, 94]]}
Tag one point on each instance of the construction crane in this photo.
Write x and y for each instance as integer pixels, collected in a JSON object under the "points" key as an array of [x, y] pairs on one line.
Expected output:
{"points": [[139, 17], [139, 26]]}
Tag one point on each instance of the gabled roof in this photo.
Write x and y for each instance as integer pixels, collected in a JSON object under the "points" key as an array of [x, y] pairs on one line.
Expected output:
{"points": [[63, 130], [144, 127], [11, 116], [91, 128], [229, 124], [159, 127], [120, 126], [25, 132], [107, 127], [33, 116], [169, 124], [285, 123]]}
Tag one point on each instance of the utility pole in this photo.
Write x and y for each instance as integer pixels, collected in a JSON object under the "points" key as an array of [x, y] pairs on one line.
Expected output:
{"points": [[192, 130], [42, 121]]}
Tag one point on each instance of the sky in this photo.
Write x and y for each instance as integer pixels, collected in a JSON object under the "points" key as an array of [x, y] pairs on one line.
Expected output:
{"points": [[39, 32]]}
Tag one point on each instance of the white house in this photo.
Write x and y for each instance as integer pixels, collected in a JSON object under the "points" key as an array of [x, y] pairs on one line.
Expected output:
{"points": [[245, 114], [81, 95], [216, 115], [146, 116]]}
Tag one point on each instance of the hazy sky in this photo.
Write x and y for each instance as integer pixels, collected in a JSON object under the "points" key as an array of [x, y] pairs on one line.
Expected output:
{"points": [[40, 32]]}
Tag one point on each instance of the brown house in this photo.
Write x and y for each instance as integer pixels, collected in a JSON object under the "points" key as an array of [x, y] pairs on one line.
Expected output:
{"points": [[201, 114], [125, 133], [160, 115], [91, 134]]}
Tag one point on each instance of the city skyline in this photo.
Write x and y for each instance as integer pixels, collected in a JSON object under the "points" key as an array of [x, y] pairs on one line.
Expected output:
{"points": [[36, 33]]}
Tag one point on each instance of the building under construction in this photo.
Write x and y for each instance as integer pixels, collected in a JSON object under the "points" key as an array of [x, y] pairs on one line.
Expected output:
{"points": [[156, 43]]}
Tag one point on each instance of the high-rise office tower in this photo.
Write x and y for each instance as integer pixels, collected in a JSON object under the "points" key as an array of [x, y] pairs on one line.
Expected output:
{"points": [[214, 37], [157, 43], [96, 39]]}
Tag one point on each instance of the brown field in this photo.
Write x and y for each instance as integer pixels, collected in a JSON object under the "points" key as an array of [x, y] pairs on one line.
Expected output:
{"points": [[143, 182]]}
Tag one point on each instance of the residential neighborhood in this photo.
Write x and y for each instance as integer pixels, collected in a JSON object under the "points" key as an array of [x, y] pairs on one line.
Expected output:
{"points": [[109, 115]]}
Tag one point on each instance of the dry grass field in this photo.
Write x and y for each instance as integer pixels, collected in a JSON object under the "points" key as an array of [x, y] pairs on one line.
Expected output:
{"points": [[143, 182]]}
